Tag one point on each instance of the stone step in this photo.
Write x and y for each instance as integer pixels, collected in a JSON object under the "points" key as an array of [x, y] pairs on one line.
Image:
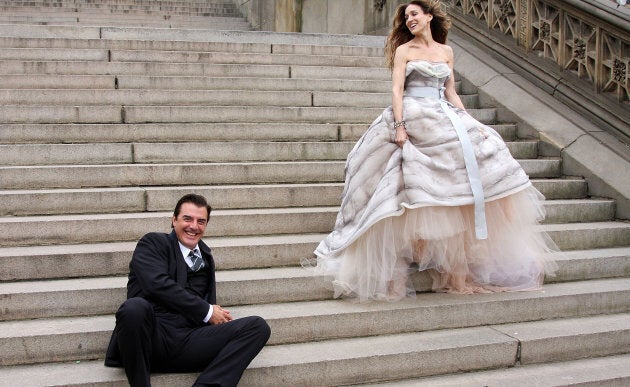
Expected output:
{"points": [[344, 361], [583, 236], [137, 199], [52, 13], [111, 114], [70, 229], [135, 15], [51, 98], [127, 97], [609, 370], [191, 174], [98, 228], [237, 58], [155, 56], [164, 21], [180, 132], [110, 259], [173, 174], [63, 339], [189, 35], [208, 35], [592, 264], [442, 311], [54, 3], [172, 83], [594, 336], [126, 18], [44, 54], [579, 210], [224, 131], [602, 371], [561, 188], [188, 152], [190, 69], [130, 9], [39, 81], [93, 296], [126, 9], [36, 45], [195, 114], [10, 39], [101, 259], [421, 354]]}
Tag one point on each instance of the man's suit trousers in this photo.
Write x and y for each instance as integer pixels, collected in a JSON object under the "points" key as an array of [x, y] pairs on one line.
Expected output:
{"points": [[151, 340]]}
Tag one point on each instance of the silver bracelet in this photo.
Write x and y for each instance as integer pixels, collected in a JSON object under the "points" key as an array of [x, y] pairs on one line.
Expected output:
{"points": [[399, 123]]}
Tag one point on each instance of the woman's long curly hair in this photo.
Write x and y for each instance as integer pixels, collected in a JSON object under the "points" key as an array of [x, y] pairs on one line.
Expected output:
{"points": [[400, 34]]}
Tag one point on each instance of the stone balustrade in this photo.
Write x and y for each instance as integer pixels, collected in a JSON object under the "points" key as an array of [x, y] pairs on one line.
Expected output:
{"points": [[576, 50], [589, 38]]}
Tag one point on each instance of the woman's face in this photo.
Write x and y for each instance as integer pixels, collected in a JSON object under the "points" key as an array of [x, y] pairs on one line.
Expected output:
{"points": [[415, 18]]}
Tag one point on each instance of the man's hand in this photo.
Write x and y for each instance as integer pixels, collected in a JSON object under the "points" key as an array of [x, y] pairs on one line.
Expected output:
{"points": [[219, 315]]}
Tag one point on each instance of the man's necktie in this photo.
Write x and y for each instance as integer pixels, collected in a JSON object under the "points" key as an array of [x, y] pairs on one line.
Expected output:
{"points": [[195, 258]]}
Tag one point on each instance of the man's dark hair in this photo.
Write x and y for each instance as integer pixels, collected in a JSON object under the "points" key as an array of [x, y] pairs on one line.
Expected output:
{"points": [[195, 199]]}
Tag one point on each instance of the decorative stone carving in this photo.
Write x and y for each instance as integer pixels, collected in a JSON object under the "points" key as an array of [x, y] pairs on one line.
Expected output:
{"points": [[504, 16], [543, 41], [615, 65], [620, 71], [579, 49], [523, 34], [379, 5], [478, 8], [545, 31]]}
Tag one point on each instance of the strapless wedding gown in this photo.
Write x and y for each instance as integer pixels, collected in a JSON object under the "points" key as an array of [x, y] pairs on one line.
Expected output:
{"points": [[430, 205]]}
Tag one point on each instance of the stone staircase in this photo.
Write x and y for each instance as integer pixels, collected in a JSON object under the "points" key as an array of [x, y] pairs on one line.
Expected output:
{"points": [[103, 128], [215, 14]]}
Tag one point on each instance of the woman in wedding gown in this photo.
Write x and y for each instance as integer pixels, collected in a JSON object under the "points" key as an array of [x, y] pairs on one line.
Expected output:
{"points": [[428, 187]]}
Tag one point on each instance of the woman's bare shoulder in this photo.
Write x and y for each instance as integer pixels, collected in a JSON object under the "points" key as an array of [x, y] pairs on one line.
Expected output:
{"points": [[448, 50], [403, 48]]}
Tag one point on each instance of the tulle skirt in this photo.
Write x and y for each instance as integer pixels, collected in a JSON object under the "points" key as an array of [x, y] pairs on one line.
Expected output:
{"points": [[441, 240]]}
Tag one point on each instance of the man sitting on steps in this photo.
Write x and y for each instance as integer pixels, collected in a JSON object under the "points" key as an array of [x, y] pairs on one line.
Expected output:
{"points": [[170, 321]]}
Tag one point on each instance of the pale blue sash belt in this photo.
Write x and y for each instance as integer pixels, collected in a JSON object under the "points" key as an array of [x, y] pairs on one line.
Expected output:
{"points": [[472, 169]]}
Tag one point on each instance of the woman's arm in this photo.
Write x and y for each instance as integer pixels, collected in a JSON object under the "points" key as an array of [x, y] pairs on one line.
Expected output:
{"points": [[450, 94]]}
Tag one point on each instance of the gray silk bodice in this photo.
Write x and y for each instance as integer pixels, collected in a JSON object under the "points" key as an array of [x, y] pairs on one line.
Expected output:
{"points": [[424, 74]]}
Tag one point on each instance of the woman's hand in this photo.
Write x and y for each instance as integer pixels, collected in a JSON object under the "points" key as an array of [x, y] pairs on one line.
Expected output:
{"points": [[401, 136]]}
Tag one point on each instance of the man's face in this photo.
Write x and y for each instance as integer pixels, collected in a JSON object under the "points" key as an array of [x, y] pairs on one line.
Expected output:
{"points": [[190, 224]]}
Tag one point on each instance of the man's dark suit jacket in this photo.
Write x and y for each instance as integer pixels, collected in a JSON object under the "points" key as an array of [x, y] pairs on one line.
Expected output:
{"points": [[158, 273]]}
